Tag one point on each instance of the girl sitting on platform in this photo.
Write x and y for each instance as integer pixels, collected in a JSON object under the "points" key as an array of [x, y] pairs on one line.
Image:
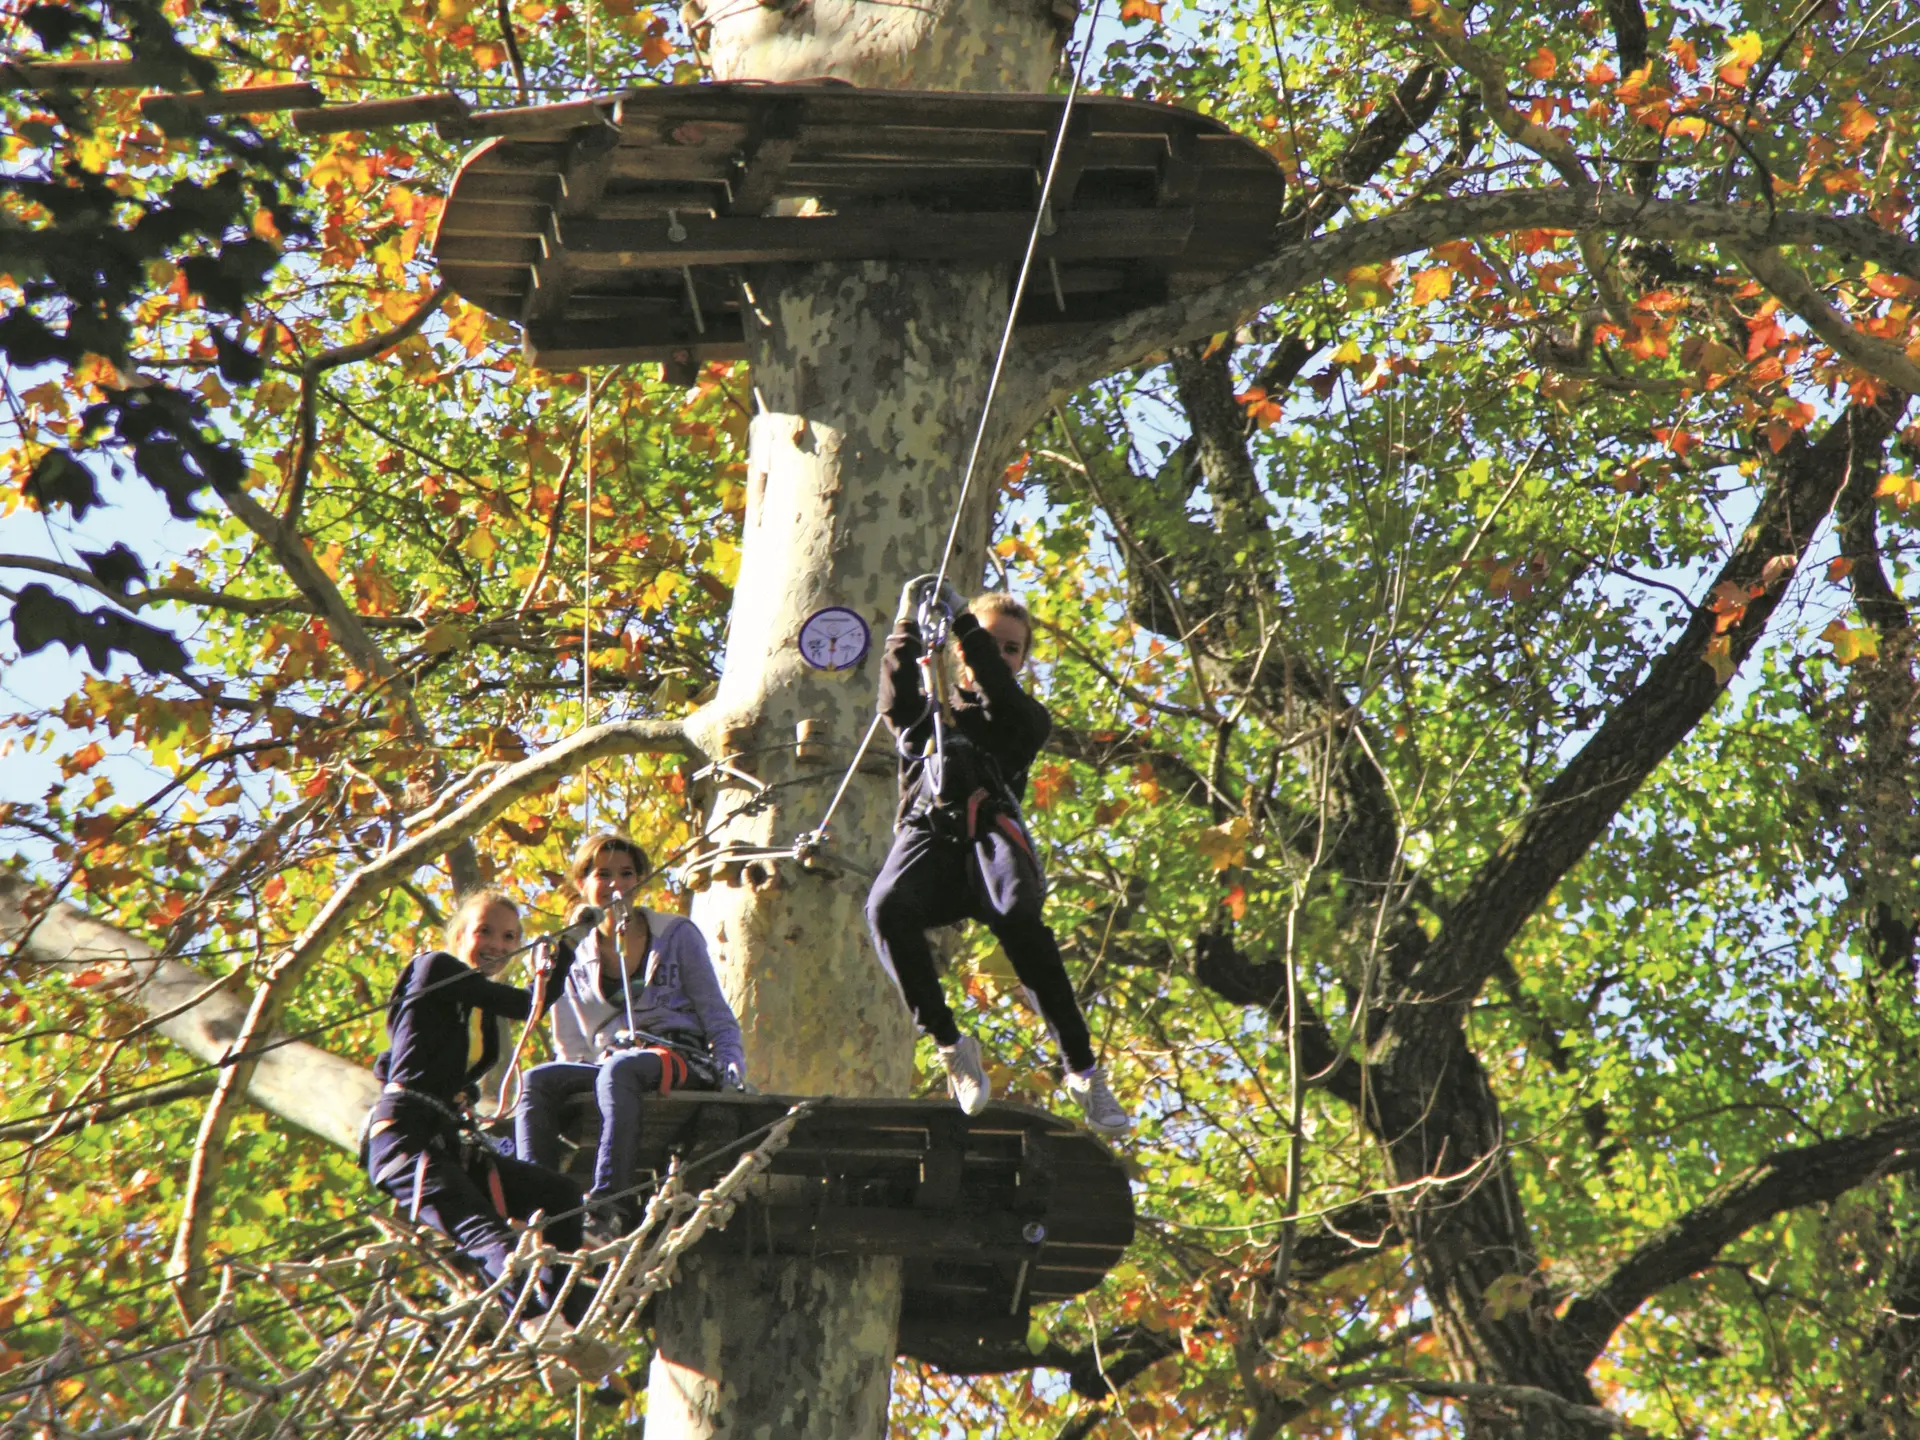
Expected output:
{"points": [[641, 1011], [422, 1146]]}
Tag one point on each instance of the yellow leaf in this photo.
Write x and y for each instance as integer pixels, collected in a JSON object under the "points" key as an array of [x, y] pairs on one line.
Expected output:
{"points": [[1851, 645], [1858, 124], [1349, 354], [1432, 284], [438, 639], [1720, 657], [480, 544], [1740, 59], [1370, 285], [1901, 488], [1224, 845]]}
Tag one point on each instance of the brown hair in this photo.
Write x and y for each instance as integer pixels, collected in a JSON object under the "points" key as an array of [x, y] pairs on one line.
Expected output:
{"points": [[474, 904], [594, 846], [990, 603]]}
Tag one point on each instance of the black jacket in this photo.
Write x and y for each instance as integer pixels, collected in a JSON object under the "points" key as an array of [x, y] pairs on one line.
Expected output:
{"points": [[429, 1022], [1003, 722]]}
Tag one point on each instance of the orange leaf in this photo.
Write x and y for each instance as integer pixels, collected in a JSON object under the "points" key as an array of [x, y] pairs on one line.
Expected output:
{"points": [[1858, 124], [1237, 902], [1432, 284], [1543, 64], [82, 760], [1684, 55], [1141, 10], [1839, 568]]}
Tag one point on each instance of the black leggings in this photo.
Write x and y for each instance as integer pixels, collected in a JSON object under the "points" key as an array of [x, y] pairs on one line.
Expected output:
{"points": [[936, 879], [453, 1199]]}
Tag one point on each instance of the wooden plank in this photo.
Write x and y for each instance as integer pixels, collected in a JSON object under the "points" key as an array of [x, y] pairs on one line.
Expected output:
{"points": [[488, 250], [540, 186], [371, 114], [77, 74], [612, 246], [519, 155], [494, 217], [692, 198], [246, 100], [539, 119], [618, 345]]}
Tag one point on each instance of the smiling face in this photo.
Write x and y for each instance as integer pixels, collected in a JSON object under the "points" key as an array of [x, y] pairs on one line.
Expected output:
{"points": [[614, 876], [490, 936]]}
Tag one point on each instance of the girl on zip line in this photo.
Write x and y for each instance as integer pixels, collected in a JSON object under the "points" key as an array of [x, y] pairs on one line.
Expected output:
{"points": [[960, 850]]}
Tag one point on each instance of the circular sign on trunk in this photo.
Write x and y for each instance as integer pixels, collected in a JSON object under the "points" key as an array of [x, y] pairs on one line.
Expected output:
{"points": [[835, 638]]}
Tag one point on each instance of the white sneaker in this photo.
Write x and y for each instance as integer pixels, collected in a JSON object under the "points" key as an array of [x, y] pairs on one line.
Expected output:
{"points": [[1090, 1092], [967, 1075]]}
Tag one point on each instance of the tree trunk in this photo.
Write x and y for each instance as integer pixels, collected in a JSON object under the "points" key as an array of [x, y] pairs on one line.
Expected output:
{"points": [[867, 385], [871, 377]]}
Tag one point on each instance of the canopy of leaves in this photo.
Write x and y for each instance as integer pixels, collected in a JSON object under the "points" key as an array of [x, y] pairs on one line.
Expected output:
{"points": [[1500, 649]]}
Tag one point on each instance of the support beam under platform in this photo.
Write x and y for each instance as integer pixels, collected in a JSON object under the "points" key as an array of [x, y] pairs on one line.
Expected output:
{"points": [[988, 1215]]}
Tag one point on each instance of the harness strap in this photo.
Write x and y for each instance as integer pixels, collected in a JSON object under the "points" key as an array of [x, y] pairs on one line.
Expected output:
{"points": [[496, 1189], [419, 1187]]}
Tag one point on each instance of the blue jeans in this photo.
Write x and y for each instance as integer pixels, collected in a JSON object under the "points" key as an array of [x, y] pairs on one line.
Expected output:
{"points": [[617, 1084]]}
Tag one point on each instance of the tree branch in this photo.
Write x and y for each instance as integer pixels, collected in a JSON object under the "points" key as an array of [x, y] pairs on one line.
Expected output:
{"points": [[1680, 687], [39, 1133], [307, 437], [1058, 371], [1785, 1180], [1887, 362]]}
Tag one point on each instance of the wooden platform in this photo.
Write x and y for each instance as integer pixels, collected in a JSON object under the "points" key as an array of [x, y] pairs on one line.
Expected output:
{"points": [[991, 1215], [612, 229]]}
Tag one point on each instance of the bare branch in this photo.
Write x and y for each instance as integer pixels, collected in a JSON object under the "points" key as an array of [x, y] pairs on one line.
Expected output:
{"points": [[308, 421]]}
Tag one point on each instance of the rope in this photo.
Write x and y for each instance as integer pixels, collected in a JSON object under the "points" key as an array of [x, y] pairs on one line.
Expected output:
{"points": [[398, 1358], [586, 613], [1019, 288]]}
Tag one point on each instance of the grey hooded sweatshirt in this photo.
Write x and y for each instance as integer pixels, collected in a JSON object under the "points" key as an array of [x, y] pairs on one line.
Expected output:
{"points": [[675, 994]]}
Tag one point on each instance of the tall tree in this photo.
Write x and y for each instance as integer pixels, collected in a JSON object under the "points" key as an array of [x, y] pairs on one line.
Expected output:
{"points": [[1482, 810]]}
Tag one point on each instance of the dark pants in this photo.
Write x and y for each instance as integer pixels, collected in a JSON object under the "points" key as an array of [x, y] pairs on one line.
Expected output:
{"points": [[932, 878], [454, 1200], [617, 1083]]}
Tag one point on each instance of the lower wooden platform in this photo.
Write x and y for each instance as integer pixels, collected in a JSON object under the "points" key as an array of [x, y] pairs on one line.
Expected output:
{"points": [[990, 1215]]}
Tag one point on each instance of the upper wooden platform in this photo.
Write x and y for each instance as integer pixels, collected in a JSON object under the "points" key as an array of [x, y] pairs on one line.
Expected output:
{"points": [[612, 228], [991, 1215]]}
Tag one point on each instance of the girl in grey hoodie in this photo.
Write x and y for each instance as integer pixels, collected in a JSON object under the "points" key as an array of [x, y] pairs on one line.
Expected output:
{"points": [[640, 1012]]}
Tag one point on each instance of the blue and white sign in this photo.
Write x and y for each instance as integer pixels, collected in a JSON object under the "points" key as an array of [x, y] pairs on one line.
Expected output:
{"points": [[835, 638]]}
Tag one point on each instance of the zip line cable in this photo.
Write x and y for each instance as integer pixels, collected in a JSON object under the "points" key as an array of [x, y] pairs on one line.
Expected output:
{"points": [[1019, 289], [812, 839], [586, 613]]}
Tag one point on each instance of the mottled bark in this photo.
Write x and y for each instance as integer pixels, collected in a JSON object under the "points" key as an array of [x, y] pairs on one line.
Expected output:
{"points": [[871, 378]]}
